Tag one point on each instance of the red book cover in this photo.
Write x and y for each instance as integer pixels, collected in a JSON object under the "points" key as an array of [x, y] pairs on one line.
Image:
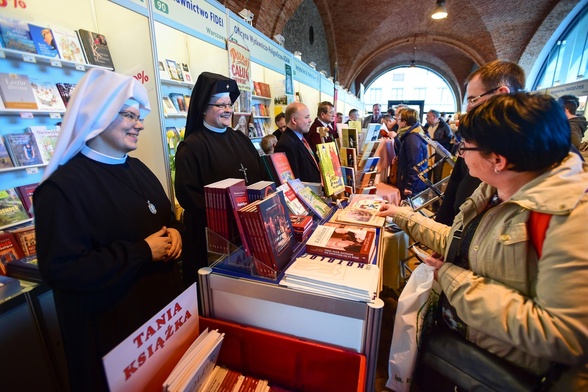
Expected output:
{"points": [[26, 195], [238, 197], [9, 251], [26, 239], [282, 171], [276, 229]]}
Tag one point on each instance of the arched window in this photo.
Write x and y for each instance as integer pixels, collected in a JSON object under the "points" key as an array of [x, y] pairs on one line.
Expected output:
{"points": [[567, 61], [411, 83]]}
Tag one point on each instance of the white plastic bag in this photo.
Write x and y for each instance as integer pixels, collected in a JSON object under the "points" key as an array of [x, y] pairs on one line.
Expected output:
{"points": [[420, 292]]}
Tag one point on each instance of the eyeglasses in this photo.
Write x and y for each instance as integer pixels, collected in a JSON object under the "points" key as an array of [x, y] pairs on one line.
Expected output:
{"points": [[228, 106], [131, 117], [461, 148], [472, 101]]}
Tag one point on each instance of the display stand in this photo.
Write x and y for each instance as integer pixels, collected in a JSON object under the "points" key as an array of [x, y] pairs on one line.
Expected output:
{"points": [[343, 323]]}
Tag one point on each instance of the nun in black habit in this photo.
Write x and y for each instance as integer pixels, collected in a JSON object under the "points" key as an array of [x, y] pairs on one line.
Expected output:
{"points": [[211, 151]]}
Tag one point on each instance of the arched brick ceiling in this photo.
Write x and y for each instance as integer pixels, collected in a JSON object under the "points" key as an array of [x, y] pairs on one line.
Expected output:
{"points": [[367, 37]]}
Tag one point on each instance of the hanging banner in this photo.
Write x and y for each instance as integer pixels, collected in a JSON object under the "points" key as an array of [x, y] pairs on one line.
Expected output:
{"points": [[289, 82], [239, 65]]}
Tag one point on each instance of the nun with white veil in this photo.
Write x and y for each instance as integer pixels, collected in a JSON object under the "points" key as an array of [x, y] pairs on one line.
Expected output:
{"points": [[107, 240]]}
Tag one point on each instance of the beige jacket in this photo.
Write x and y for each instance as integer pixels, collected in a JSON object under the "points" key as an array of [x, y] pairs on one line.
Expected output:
{"points": [[531, 312]]}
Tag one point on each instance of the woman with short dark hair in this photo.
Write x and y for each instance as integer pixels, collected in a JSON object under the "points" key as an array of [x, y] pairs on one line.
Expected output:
{"points": [[524, 304]]}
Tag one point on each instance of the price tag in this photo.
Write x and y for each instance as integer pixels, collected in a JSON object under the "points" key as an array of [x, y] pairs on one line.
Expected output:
{"points": [[26, 115], [54, 115], [32, 170], [29, 58], [56, 63], [80, 67]]}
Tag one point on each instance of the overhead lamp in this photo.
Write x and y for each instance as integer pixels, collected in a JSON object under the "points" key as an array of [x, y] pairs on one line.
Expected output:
{"points": [[279, 38], [413, 61], [247, 15], [312, 65], [440, 12], [298, 55]]}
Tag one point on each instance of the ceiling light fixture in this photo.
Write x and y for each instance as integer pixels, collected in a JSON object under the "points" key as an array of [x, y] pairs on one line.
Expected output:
{"points": [[413, 62], [440, 12]]}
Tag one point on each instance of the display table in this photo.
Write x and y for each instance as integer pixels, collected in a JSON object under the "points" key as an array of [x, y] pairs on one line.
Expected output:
{"points": [[386, 153], [348, 324]]}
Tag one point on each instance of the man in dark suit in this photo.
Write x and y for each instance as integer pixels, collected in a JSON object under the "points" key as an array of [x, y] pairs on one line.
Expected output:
{"points": [[324, 118], [374, 118], [302, 160]]}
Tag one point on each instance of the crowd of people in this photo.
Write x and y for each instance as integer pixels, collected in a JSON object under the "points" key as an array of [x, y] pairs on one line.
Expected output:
{"points": [[516, 154]]}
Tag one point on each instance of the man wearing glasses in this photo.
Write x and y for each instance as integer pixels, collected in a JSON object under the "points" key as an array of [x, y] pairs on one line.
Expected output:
{"points": [[496, 77]]}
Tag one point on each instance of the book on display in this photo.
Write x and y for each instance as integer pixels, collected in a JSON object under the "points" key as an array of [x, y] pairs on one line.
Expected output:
{"points": [[333, 277], [47, 95], [310, 198], [11, 208], [330, 168], [343, 241], [68, 45], [16, 35], [95, 48], [23, 149], [44, 41], [16, 91]]}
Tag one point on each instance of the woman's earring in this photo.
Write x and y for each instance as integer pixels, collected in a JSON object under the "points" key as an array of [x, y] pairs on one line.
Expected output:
{"points": [[496, 171]]}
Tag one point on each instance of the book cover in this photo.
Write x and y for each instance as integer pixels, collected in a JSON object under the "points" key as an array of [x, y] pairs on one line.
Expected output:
{"points": [[16, 35], [368, 151], [277, 167], [5, 160], [46, 139], [257, 88], [360, 215], [11, 208], [350, 138], [23, 149], [277, 229], [168, 106], [373, 132], [187, 101], [294, 204], [163, 72], [367, 179], [348, 176], [65, 91], [348, 156], [95, 48], [310, 198], [186, 73], [26, 239], [177, 100], [68, 45], [16, 91], [174, 70], [330, 168], [343, 241], [47, 96], [371, 164], [26, 195], [9, 251], [44, 41], [239, 199]]}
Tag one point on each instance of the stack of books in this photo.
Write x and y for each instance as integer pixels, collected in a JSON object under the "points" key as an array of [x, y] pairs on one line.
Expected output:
{"points": [[343, 241], [333, 277], [302, 225], [266, 225]]}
